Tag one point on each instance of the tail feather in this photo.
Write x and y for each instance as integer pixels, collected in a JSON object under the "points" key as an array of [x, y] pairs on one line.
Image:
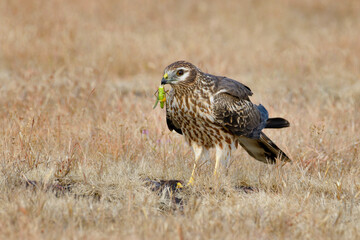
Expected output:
{"points": [[277, 123], [263, 149]]}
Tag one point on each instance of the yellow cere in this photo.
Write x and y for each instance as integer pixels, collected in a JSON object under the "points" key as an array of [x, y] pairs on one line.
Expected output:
{"points": [[165, 75]]}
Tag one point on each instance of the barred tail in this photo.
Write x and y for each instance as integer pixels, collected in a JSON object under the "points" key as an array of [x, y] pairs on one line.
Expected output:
{"points": [[263, 149]]}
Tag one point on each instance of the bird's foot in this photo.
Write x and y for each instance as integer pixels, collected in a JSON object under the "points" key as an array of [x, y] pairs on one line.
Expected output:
{"points": [[179, 185]]}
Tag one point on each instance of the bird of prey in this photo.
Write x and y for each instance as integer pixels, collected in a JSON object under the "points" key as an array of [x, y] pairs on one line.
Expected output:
{"points": [[216, 112]]}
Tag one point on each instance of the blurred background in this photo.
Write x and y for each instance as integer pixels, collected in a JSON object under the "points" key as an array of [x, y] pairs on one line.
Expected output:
{"points": [[287, 38]]}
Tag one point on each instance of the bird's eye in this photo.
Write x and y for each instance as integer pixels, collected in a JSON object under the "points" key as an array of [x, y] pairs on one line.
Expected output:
{"points": [[180, 72]]}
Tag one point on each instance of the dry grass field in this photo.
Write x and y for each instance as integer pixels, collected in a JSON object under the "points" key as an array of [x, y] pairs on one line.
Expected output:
{"points": [[77, 80]]}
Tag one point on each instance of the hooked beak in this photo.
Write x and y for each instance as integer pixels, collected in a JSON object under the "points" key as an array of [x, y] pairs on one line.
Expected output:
{"points": [[164, 80]]}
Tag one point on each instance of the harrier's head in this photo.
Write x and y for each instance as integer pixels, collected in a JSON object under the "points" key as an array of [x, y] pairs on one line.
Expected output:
{"points": [[180, 72]]}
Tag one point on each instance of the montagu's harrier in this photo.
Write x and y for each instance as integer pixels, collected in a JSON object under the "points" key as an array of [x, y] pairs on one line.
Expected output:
{"points": [[216, 112]]}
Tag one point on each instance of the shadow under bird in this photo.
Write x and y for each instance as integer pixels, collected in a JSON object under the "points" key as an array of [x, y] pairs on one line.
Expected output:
{"points": [[216, 112]]}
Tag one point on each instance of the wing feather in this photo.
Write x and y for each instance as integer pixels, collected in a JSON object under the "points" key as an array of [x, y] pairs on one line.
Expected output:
{"points": [[234, 111], [241, 117], [172, 125], [263, 149], [232, 87]]}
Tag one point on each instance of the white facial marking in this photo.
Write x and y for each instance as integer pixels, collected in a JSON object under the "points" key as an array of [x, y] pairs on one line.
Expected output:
{"points": [[184, 76]]}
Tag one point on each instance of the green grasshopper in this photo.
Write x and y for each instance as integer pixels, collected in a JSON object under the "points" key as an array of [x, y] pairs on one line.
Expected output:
{"points": [[160, 97]]}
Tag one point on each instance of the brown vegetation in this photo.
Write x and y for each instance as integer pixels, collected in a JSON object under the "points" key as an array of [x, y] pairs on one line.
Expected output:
{"points": [[76, 93]]}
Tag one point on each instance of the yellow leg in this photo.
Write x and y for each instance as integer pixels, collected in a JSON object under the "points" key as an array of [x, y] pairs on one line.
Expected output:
{"points": [[198, 151], [192, 179]]}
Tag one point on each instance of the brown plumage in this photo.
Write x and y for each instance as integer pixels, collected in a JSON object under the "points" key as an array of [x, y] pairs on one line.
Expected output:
{"points": [[212, 111]]}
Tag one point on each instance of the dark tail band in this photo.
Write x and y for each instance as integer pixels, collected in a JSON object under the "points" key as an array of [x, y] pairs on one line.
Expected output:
{"points": [[277, 123]]}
